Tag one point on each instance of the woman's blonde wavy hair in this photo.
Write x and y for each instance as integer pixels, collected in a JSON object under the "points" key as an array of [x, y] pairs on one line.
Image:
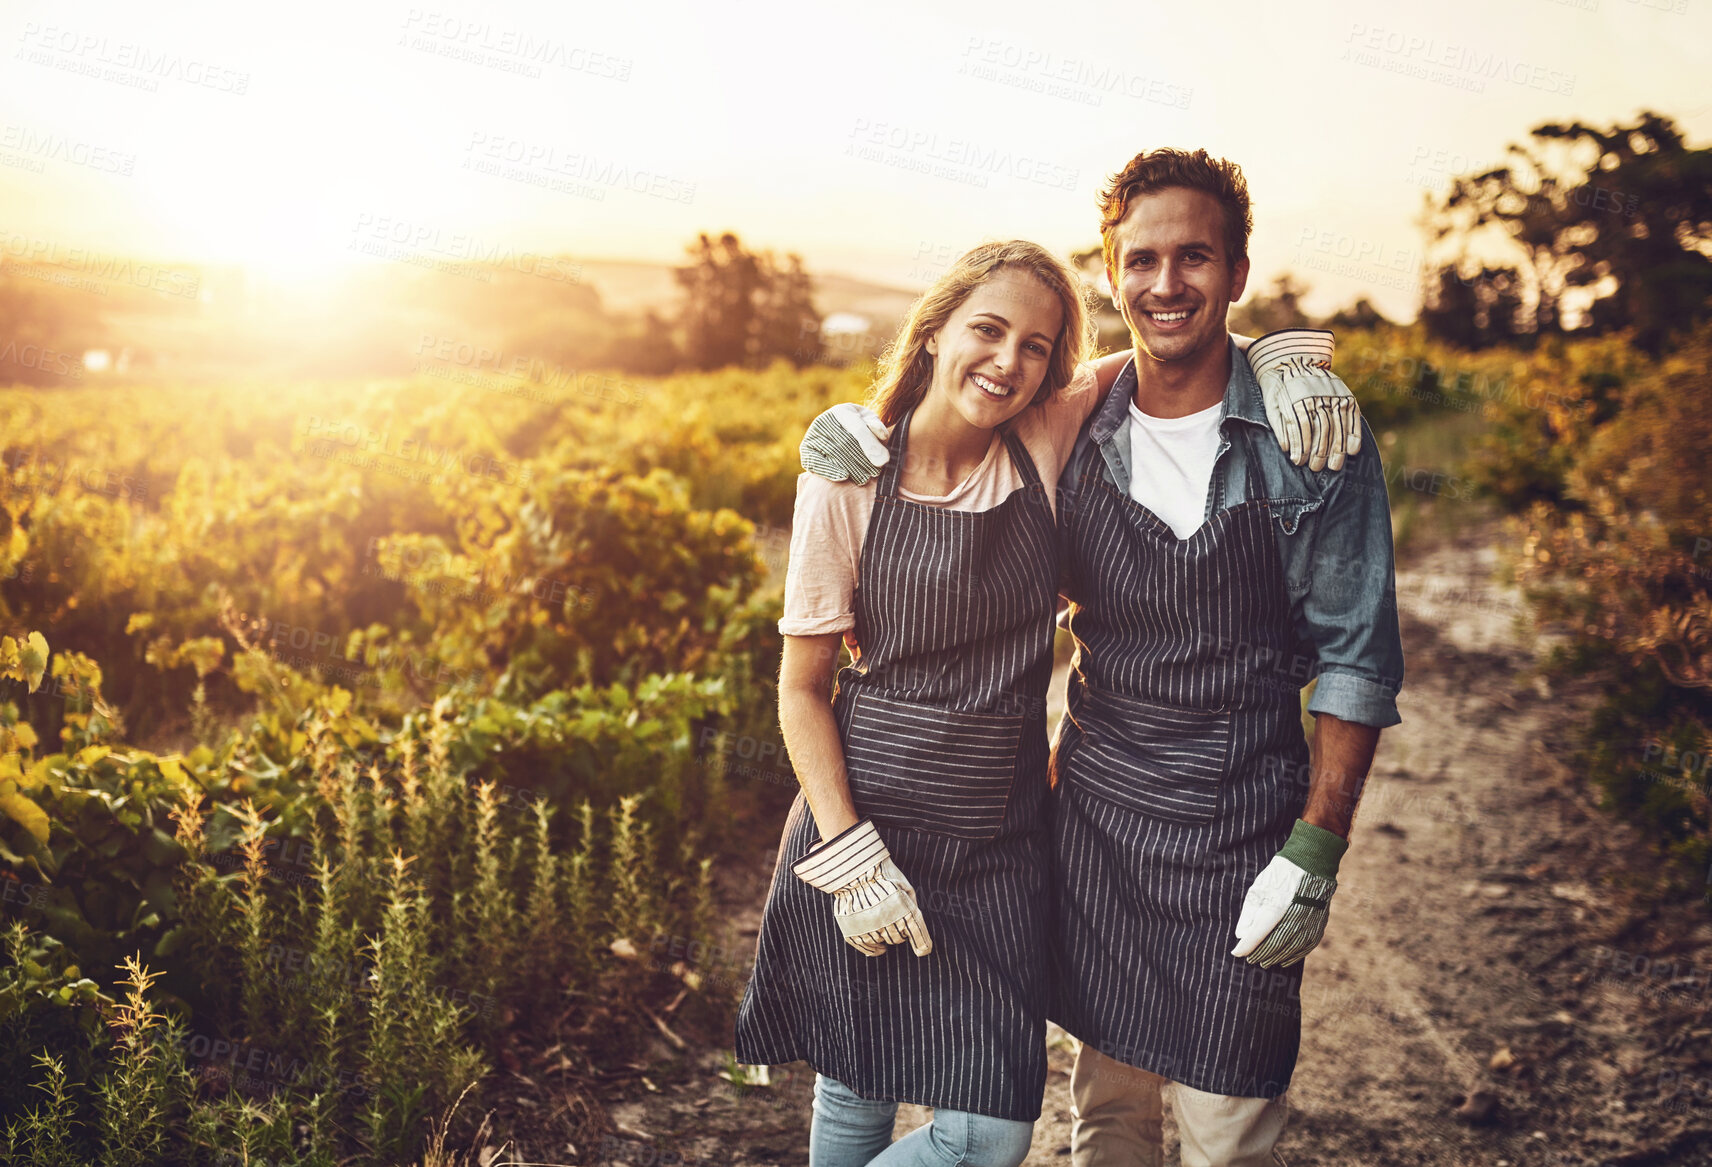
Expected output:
{"points": [[906, 369]]}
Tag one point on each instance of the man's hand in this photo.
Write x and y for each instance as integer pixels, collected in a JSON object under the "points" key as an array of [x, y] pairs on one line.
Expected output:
{"points": [[1285, 912], [846, 442], [1313, 413]]}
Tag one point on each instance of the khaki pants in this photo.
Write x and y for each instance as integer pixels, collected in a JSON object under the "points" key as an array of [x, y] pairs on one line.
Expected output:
{"points": [[1117, 1118]]}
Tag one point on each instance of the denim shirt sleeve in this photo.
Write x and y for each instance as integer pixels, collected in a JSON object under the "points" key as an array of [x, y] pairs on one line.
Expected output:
{"points": [[1350, 610]]}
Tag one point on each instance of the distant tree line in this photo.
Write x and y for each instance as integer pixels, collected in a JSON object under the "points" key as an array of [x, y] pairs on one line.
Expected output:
{"points": [[739, 307]]}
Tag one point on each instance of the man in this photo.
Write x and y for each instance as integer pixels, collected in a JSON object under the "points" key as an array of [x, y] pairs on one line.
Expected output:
{"points": [[1211, 575], [1209, 578]]}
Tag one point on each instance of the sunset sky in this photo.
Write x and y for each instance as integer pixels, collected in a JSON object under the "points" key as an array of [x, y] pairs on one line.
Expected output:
{"points": [[876, 139]]}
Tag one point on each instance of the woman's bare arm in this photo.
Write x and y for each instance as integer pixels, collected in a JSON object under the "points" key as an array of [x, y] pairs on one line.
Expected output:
{"points": [[1109, 366], [1107, 369], [811, 732]]}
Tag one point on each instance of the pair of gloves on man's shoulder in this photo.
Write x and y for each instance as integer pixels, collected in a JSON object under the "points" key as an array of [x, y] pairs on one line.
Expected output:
{"points": [[1284, 914]]}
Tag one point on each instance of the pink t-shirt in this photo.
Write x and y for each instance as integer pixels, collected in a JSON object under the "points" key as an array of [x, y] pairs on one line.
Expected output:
{"points": [[831, 519]]}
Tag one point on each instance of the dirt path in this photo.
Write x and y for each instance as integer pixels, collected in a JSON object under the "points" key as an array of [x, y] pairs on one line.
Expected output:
{"points": [[1482, 996]]}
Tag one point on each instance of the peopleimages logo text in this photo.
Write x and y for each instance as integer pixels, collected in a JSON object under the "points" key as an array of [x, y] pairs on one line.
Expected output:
{"points": [[1472, 62], [898, 144]]}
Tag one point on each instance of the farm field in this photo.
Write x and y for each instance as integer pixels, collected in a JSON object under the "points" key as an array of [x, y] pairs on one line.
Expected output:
{"points": [[390, 769]]}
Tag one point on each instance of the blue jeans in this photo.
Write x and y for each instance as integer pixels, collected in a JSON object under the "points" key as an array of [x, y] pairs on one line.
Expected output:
{"points": [[852, 1131]]}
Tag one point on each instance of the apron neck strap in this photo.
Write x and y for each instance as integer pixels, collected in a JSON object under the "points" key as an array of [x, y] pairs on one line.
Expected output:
{"points": [[1019, 455], [899, 446], [893, 470]]}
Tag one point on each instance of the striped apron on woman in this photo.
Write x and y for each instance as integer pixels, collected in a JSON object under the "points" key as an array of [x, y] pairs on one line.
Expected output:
{"points": [[1178, 772], [944, 732]]}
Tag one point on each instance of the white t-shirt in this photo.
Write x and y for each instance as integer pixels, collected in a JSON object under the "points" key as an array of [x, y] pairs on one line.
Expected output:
{"points": [[1171, 465]]}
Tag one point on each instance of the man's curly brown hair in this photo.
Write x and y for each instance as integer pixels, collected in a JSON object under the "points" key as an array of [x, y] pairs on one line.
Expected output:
{"points": [[1155, 170]]}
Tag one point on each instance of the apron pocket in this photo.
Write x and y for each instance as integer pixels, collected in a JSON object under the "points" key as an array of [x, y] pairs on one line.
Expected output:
{"points": [[1162, 760], [931, 769]]}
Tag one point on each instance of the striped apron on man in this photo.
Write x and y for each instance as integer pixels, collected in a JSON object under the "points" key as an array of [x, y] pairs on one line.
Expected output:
{"points": [[1178, 772], [944, 733]]}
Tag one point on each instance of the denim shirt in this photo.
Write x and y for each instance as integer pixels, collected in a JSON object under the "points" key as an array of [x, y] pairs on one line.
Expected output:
{"points": [[1333, 530]]}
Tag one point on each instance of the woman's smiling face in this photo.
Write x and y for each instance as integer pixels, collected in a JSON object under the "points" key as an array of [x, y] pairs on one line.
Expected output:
{"points": [[991, 355]]}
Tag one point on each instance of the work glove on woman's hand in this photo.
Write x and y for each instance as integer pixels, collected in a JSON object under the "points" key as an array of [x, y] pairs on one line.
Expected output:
{"points": [[872, 901], [1285, 912]]}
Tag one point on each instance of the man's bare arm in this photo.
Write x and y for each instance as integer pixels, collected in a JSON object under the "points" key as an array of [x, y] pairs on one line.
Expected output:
{"points": [[1343, 754]]}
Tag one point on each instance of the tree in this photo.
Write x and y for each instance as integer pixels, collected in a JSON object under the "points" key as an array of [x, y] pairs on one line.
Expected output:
{"points": [[786, 321], [1358, 316], [1263, 312], [1613, 229], [1474, 311], [743, 308]]}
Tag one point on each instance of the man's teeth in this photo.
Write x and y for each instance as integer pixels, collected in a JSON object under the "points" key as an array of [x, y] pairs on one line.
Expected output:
{"points": [[1169, 317], [993, 387]]}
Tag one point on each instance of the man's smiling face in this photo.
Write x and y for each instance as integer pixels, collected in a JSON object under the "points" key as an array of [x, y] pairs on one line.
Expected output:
{"points": [[1174, 280]]}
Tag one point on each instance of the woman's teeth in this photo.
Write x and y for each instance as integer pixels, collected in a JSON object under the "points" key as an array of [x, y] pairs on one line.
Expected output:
{"points": [[990, 387]]}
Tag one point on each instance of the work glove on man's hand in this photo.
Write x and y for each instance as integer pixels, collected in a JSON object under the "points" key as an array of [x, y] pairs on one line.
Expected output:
{"points": [[1284, 914], [1312, 411], [871, 900]]}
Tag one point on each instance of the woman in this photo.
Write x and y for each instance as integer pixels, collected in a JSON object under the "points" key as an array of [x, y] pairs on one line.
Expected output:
{"points": [[904, 956]]}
